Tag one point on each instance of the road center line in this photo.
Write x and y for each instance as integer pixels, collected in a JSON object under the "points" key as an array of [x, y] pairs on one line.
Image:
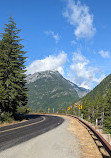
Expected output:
{"points": [[24, 125]]}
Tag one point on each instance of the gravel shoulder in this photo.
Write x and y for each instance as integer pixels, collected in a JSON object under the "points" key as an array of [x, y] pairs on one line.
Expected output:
{"points": [[88, 146]]}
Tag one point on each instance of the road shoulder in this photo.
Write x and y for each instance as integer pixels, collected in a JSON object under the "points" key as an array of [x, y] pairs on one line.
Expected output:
{"points": [[88, 146]]}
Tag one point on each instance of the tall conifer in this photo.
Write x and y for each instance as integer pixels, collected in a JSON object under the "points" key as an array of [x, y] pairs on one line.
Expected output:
{"points": [[12, 70], [107, 111]]}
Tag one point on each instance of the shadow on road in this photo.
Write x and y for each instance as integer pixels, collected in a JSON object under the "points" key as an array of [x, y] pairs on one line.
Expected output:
{"points": [[19, 135]]}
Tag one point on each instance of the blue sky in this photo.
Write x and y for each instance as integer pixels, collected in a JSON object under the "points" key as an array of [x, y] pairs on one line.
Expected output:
{"points": [[73, 37]]}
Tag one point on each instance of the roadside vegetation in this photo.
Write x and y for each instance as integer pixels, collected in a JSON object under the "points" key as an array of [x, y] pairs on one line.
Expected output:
{"points": [[97, 109], [13, 91], [96, 106]]}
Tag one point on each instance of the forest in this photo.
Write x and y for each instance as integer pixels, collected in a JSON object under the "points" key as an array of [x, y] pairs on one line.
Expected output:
{"points": [[98, 109], [96, 105]]}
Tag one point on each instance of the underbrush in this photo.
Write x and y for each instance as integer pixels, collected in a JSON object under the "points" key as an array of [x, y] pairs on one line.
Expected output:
{"points": [[6, 117]]}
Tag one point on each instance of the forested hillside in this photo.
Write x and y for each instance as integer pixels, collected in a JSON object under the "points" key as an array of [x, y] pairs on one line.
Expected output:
{"points": [[97, 104], [49, 89]]}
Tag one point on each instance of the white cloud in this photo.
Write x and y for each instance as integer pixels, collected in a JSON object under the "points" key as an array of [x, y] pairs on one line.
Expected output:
{"points": [[49, 63], [56, 37], [104, 54], [78, 15], [81, 73], [98, 80]]}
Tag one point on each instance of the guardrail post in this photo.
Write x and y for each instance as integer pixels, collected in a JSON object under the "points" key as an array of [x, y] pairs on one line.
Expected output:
{"points": [[96, 122]]}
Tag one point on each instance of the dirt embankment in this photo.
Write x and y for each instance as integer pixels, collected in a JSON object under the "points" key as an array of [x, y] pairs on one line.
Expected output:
{"points": [[87, 144]]}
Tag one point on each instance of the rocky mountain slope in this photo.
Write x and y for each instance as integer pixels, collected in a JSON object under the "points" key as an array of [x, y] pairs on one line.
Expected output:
{"points": [[49, 89]]}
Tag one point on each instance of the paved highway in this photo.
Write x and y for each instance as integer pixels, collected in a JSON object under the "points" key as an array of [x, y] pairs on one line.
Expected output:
{"points": [[21, 132]]}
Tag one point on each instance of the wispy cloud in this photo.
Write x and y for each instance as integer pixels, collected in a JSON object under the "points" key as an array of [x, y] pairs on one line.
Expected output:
{"points": [[56, 37], [49, 63], [81, 73], [73, 42], [104, 54], [78, 16]]}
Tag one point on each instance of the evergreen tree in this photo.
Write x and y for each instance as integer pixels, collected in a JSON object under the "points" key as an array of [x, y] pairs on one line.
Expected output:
{"points": [[107, 112], [98, 107], [86, 107], [13, 92]]}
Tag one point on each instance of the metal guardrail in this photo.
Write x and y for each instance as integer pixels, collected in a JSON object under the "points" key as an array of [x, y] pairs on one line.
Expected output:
{"points": [[98, 135], [106, 145]]}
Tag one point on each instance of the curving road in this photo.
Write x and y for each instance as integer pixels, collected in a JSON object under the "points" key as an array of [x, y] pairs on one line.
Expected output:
{"points": [[18, 133]]}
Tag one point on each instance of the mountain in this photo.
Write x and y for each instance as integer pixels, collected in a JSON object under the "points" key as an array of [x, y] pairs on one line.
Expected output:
{"points": [[80, 90], [101, 88], [49, 89]]}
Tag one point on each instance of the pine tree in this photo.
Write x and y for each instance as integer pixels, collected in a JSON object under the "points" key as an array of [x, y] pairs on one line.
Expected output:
{"points": [[86, 107], [107, 113], [13, 92]]}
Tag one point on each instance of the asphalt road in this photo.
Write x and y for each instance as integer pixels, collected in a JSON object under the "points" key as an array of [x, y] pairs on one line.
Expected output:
{"points": [[21, 132]]}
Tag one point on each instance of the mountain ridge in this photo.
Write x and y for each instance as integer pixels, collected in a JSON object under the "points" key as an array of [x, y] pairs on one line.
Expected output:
{"points": [[101, 88], [51, 89]]}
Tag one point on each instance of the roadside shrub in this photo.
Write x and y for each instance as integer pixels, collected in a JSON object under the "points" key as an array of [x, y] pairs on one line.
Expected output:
{"points": [[41, 110], [6, 117], [23, 110]]}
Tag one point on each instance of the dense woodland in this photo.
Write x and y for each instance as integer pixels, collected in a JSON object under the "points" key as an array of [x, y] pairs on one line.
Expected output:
{"points": [[13, 93], [97, 105]]}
